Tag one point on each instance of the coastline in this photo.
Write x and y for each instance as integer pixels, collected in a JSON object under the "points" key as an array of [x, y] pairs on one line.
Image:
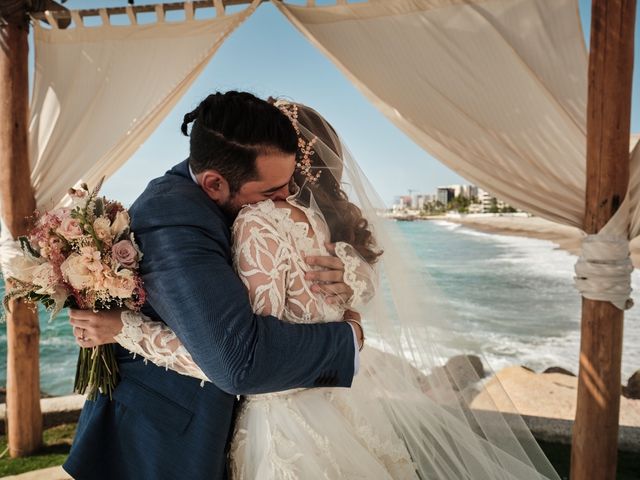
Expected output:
{"points": [[565, 237]]}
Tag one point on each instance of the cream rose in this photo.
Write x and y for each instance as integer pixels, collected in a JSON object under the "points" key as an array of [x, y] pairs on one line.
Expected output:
{"points": [[102, 227], [76, 273], [120, 286], [125, 254], [120, 223], [70, 229]]}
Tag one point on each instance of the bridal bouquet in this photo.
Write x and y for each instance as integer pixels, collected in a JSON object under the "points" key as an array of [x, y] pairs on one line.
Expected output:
{"points": [[82, 256]]}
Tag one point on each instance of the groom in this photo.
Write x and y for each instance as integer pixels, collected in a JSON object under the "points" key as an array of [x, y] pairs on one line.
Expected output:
{"points": [[162, 425]]}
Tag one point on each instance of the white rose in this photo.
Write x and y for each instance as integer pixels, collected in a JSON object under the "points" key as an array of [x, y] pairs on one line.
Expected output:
{"points": [[75, 272], [120, 223], [101, 226]]}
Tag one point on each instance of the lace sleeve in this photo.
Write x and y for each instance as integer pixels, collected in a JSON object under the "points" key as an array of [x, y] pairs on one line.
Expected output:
{"points": [[157, 343], [261, 259], [358, 274]]}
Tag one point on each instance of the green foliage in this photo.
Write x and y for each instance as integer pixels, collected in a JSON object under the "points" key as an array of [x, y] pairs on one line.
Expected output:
{"points": [[434, 208], [57, 443], [459, 204], [27, 248]]}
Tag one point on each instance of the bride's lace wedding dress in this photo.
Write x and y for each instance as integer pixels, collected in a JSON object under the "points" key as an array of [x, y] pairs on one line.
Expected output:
{"points": [[297, 434]]}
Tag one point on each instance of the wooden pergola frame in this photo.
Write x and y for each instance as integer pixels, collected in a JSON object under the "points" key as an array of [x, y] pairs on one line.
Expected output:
{"points": [[595, 433]]}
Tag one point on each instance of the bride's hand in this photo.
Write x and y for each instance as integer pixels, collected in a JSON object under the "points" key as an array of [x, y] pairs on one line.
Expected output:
{"points": [[95, 328], [329, 281]]}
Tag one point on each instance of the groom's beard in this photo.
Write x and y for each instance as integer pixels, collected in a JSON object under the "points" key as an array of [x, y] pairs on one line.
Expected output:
{"points": [[230, 208]]}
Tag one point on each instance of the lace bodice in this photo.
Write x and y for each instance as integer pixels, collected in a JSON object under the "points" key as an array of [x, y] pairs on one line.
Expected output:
{"points": [[271, 242]]}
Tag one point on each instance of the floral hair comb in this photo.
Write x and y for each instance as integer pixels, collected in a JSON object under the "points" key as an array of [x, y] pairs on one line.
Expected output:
{"points": [[305, 148]]}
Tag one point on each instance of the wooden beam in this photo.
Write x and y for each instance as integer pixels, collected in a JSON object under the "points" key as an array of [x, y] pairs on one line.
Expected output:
{"points": [[595, 432], [41, 6], [16, 195], [166, 7]]}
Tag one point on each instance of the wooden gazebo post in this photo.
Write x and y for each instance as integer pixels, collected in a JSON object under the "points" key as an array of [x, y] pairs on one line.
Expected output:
{"points": [[16, 194], [595, 432]]}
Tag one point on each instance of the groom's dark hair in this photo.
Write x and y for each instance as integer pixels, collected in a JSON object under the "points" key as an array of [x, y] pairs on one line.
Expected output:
{"points": [[231, 129]]}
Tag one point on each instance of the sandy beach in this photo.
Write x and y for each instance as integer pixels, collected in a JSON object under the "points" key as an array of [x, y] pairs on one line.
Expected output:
{"points": [[565, 237]]}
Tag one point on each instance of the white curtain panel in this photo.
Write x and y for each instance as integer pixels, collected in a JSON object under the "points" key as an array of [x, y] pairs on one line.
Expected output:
{"points": [[496, 90], [100, 91]]}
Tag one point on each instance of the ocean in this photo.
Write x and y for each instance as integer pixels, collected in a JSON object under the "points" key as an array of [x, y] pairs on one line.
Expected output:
{"points": [[514, 298]]}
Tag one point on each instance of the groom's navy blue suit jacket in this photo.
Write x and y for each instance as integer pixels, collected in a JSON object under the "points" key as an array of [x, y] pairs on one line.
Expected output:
{"points": [[163, 425]]}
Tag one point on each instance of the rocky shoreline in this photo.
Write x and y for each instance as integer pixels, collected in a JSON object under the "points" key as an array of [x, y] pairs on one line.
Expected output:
{"points": [[545, 400]]}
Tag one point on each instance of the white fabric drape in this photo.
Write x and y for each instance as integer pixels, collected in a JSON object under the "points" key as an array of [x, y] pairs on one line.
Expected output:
{"points": [[100, 91], [494, 89]]}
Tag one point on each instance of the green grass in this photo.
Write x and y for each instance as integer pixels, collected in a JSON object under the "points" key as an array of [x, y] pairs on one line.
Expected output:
{"points": [[57, 443]]}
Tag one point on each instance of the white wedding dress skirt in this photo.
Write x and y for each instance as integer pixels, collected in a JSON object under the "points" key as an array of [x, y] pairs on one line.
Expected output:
{"points": [[324, 433]]}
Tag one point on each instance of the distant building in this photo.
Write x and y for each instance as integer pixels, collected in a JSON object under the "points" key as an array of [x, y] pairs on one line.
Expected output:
{"points": [[476, 208], [465, 191], [458, 190], [488, 202], [445, 195]]}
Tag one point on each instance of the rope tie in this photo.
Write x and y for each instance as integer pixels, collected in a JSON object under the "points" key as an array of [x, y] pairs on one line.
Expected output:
{"points": [[603, 271]]}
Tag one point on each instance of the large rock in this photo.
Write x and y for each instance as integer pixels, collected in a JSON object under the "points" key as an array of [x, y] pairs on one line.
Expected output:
{"points": [[551, 395], [550, 401], [459, 372], [632, 390], [560, 370]]}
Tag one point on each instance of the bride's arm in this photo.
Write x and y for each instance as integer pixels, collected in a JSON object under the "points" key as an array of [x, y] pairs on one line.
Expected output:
{"points": [[139, 334], [156, 342], [358, 274], [261, 259]]}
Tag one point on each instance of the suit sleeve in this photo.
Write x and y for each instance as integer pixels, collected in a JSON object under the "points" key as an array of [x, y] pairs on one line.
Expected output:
{"points": [[191, 285]]}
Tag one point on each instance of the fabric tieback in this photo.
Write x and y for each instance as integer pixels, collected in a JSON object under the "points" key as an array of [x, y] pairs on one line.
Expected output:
{"points": [[603, 271]]}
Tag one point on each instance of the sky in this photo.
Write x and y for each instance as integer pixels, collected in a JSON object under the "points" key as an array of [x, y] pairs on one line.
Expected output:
{"points": [[269, 57]]}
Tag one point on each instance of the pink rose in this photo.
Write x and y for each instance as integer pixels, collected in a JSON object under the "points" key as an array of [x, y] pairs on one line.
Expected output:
{"points": [[125, 254], [70, 229]]}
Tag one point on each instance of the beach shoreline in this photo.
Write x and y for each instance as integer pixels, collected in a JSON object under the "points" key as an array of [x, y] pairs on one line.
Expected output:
{"points": [[565, 237]]}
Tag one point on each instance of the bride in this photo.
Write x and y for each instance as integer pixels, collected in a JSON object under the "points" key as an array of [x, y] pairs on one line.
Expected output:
{"points": [[404, 417]]}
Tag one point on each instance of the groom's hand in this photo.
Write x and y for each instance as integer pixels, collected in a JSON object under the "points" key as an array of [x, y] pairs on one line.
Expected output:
{"points": [[330, 280]]}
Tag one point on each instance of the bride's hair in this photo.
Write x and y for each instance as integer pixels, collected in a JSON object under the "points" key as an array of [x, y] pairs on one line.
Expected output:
{"points": [[345, 220]]}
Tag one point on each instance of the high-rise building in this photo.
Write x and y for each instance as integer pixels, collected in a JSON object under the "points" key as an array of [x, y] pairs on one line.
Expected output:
{"points": [[445, 195]]}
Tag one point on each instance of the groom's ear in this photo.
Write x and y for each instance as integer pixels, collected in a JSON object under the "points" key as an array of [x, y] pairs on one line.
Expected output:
{"points": [[214, 185]]}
